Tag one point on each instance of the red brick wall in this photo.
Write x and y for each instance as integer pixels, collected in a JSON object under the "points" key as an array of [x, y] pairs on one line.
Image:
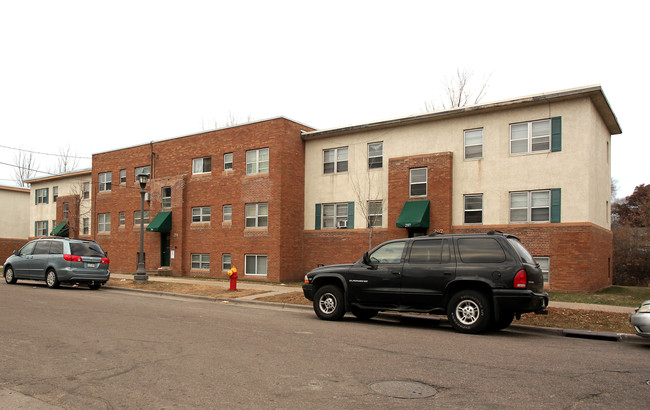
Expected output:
{"points": [[8, 245]]}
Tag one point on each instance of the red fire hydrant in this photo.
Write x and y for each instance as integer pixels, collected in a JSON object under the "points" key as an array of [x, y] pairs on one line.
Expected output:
{"points": [[233, 278]]}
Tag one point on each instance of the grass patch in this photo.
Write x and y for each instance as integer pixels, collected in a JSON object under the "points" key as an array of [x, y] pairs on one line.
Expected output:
{"points": [[628, 296], [580, 320], [293, 298], [186, 289]]}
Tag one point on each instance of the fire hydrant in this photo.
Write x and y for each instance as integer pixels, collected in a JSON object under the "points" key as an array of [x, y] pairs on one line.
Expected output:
{"points": [[233, 278]]}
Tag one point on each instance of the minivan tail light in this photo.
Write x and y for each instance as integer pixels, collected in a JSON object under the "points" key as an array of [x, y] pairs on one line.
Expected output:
{"points": [[72, 258], [105, 260], [521, 279]]}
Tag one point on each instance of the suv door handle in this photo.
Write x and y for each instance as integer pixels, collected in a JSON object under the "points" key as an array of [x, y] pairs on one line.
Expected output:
{"points": [[396, 273]]}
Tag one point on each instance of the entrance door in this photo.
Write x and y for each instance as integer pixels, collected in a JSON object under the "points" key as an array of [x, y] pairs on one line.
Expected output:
{"points": [[164, 248]]}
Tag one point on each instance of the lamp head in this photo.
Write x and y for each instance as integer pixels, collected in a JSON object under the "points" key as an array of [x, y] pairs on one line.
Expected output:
{"points": [[143, 179]]}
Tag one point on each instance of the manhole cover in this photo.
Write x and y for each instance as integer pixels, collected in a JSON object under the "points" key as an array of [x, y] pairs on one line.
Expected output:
{"points": [[404, 390]]}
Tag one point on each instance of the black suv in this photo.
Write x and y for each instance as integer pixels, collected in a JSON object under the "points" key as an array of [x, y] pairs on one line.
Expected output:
{"points": [[480, 281]]}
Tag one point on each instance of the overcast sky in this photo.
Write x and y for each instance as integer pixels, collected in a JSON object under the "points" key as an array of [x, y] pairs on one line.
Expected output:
{"points": [[97, 76]]}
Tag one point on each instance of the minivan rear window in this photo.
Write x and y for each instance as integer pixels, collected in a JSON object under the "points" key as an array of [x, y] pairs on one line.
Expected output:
{"points": [[480, 250], [86, 249]]}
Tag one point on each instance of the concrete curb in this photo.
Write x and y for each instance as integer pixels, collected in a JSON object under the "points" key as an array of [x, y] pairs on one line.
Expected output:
{"points": [[551, 331]]}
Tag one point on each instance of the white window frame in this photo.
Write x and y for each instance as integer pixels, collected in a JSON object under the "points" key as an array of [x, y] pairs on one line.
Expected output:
{"points": [[136, 217], [376, 160], [375, 220], [199, 165], [122, 176], [41, 196], [55, 193], [86, 190], [66, 210], [226, 261], [255, 162], [254, 270], [334, 215], [337, 162], [166, 200], [227, 161], [201, 214], [425, 182], [41, 228], [146, 169], [544, 267], [122, 218], [257, 215], [105, 179], [529, 205], [103, 223], [472, 133], [85, 226], [531, 140], [200, 261], [227, 213], [467, 210]]}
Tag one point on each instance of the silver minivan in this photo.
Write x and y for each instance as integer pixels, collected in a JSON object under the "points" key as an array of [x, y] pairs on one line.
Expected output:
{"points": [[59, 260]]}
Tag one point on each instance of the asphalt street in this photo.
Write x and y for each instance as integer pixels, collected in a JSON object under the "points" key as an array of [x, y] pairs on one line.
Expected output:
{"points": [[77, 348]]}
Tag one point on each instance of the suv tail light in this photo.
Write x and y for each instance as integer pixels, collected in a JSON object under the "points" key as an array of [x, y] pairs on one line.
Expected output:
{"points": [[520, 279], [104, 260], [72, 258]]}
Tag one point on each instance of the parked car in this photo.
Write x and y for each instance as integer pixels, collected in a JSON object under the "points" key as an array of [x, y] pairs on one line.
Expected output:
{"points": [[480, 281], [59, 260], [640, 319]]}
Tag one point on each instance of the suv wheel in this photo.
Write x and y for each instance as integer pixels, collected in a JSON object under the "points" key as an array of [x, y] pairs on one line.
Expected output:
{"points": [[364, 314], [51, 280], [9, 276], [95, 285], [468, 311], [505, 319], [328, 303]]}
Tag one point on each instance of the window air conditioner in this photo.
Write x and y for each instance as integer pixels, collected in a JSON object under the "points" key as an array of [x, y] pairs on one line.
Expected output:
{"points": [[343, 224]]}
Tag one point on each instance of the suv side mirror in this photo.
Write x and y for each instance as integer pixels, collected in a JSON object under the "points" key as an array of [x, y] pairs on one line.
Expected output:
{"points": [[366, 259]]}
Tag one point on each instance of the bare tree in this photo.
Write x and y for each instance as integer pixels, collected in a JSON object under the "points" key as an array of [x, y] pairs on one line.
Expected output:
{"points": [[23, 167], [230, 121], [460, 90], [66, 161], [367, 193], [79, 207]]}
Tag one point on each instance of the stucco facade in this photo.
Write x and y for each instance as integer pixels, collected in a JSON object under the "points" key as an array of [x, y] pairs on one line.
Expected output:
{"points": [[14, 212]]}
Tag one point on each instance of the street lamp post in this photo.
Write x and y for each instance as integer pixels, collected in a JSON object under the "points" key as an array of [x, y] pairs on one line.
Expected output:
{"points": [[141, 274]]}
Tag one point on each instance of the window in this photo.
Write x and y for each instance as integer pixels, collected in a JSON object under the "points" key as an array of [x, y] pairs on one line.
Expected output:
{"points": [[55, 193], [225, 262], [142, 170], [227, 161], [122, 176], [375, 155], [122, 218], [201, 214], [389, 253], [335, 160], [257, 161], [530, 206], [86, 190], [256, 265], [103, 223], [85, 226], [202, 165], [201, 261], [66, 211], [473, 209], [480, 250], [41, 196], [41, 228], [166, 197], [418, 181], [105, 181], [227, 213], [530, 136], [474, 144], [136, 217], [430, 251], [375, 211], [544, 265], [335, 216], [257, 215]]}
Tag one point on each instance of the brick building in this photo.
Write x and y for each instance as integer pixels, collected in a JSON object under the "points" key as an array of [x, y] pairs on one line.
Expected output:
{"points": [[537, 167], [229, 197]]}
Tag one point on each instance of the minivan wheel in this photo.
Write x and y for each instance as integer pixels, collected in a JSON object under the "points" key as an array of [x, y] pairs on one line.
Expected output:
{"points": [[10, 278], [51, 280], [469, 312], [328, 303]]}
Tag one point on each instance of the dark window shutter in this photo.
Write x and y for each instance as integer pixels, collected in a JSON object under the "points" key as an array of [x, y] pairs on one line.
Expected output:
{"points": [[46, 228], [47, 195], [317, 225], [556, 205], [36, 197], [35, 228], [556, 134], [350, 215]]}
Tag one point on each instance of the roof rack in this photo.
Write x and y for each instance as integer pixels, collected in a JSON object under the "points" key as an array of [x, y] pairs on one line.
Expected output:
{"points": [[494, 232], [435, 233]]}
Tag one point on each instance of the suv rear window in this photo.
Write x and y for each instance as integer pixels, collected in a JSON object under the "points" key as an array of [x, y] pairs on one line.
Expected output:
{"points": [[480, 250], [86, 249], [523, 253]]}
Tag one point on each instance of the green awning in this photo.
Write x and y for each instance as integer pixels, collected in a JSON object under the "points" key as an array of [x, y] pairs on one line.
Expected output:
{"points": [[415, 214], [161, 223], [61, 229]]}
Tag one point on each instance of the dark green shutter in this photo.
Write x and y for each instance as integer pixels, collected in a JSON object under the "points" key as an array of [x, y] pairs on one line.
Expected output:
{"points": [[36, 197], [350, 215], [556, 134], [35, 225], [317, 225], [46, 227], [556, 205], [47, 196]]}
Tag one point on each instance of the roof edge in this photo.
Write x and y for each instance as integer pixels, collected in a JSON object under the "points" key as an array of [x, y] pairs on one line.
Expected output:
{"points": [[59, 176]]}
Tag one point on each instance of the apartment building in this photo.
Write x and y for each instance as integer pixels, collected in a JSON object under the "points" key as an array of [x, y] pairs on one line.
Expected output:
{"points": [[60, 205], [537, 167], [14, 218], [231, 197]]}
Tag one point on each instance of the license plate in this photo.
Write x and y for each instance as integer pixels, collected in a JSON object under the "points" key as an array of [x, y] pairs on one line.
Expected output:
{"points": [[91, 265]]}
